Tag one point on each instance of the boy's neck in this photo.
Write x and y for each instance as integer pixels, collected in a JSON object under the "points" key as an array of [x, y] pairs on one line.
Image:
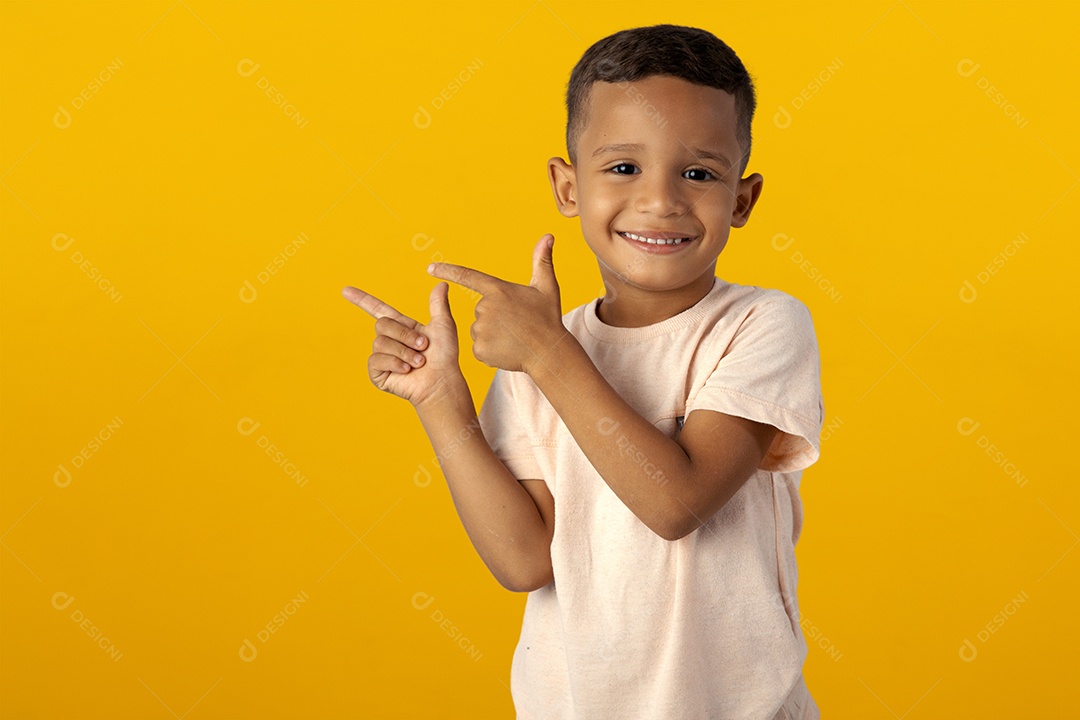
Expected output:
{"points": [[641, 308]]}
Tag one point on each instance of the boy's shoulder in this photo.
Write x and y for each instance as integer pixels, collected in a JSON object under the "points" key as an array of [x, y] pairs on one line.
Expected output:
{"points": [[756, 295], [780, 304], [763, 311]]}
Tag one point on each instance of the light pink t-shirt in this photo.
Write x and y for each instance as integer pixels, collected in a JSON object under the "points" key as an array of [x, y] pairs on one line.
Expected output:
{"points": [[634, 626]]}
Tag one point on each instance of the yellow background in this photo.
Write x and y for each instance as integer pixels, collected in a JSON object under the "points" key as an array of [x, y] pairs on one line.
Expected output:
{"points": [[897, 178]]}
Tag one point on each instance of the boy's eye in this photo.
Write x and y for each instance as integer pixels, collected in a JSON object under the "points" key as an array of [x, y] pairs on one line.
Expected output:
{"points": [[701, 170], [703, 173]]}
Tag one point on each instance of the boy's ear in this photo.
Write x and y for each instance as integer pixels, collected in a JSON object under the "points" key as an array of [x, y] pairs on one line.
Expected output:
{"points": [[564, 186], [745, 198]]}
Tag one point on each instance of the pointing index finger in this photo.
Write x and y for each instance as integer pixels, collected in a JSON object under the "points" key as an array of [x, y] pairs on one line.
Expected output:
{"points": [[375, 307], [475, 280]]}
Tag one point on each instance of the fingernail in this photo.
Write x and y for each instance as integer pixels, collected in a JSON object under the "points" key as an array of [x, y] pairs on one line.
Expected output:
{"points": [[418, 358], [420, 342], [430, 268]]}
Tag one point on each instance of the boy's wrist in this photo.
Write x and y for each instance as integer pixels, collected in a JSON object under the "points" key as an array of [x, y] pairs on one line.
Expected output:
{"points": [[553, 355], [446, 394]]}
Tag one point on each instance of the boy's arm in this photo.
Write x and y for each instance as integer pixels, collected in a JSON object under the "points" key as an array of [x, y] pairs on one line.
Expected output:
{"points": [[672, 486], [510, 529]]}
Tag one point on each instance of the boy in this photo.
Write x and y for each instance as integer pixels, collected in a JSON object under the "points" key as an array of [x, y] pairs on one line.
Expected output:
{"points": [[639, 458]]}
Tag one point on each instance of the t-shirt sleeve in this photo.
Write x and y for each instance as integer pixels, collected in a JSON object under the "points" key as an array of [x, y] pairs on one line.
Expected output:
{"points": [[771, 373], [502, 424]]}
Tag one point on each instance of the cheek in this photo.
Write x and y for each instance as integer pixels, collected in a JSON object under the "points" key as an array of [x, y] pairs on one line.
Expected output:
{"points": [[600, 207]]}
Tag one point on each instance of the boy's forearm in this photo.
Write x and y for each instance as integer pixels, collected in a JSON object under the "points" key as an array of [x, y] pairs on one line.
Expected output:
{"points": [[499, 516], [645, 468]]}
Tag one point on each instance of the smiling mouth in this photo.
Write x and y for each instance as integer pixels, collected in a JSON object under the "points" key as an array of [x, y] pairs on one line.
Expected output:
{"points": [[666, 238]]}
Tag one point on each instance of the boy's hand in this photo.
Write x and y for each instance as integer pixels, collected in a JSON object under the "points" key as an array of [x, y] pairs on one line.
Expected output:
{"points": [[392, 366], [515, 324]]}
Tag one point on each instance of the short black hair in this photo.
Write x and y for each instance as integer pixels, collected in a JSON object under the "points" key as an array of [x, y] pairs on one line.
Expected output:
{"points": [[689, 53]]}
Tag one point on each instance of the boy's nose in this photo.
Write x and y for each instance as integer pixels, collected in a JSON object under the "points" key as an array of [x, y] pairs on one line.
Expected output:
{"points": [[661, 196]]}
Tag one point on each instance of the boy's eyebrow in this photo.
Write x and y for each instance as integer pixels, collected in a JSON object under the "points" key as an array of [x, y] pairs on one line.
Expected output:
{"points": [[698, 152]]}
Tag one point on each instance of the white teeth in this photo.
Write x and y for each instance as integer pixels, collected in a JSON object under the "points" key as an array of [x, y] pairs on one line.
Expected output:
{"points": [[654, 241]]}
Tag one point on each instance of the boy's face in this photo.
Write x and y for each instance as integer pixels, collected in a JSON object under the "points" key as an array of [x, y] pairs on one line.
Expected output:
{"points": [[664, 184]]}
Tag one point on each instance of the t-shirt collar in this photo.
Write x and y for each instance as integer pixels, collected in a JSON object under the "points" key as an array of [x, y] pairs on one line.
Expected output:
{"points": [[690, 316]]}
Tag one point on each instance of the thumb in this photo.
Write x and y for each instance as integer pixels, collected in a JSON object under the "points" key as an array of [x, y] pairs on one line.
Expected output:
{"points": [[440, 303], [544, 265]]}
